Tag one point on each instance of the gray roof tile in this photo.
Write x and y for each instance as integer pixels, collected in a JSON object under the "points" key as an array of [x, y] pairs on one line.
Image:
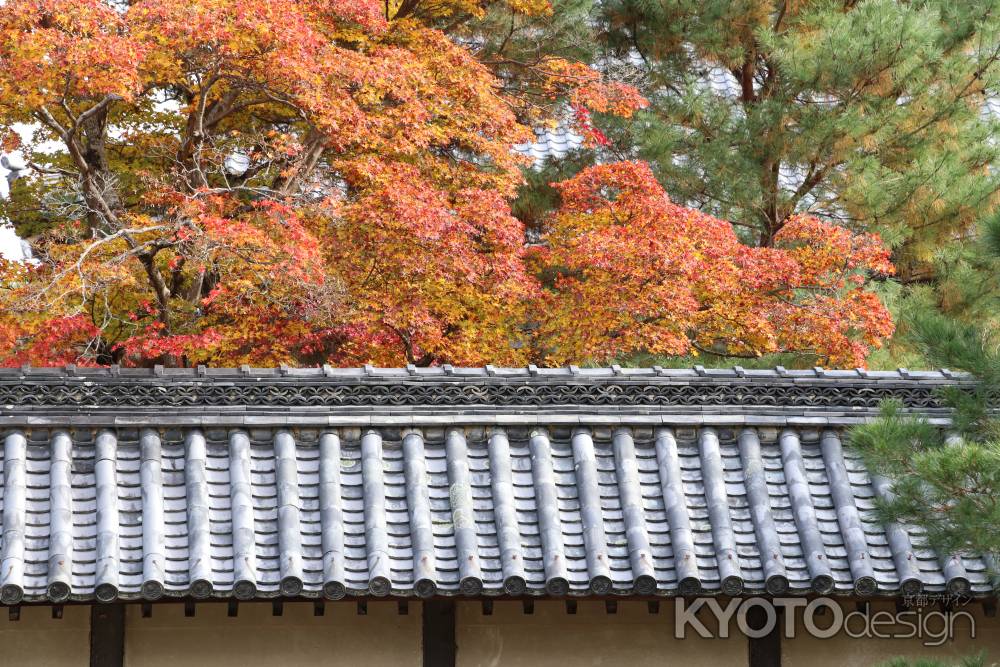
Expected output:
{"points": [[607, 504]]}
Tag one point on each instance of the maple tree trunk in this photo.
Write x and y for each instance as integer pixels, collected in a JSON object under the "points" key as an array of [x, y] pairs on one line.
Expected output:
{"points": [[99, 187], [102, 197]]}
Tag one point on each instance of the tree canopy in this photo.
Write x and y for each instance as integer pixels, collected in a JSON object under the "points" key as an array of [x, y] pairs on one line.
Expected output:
{"points": [[290, 181], [869, 114], [948, 481]]}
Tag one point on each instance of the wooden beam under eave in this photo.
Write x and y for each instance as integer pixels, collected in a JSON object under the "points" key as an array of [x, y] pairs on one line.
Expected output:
{"points": [[439, 633], [764, 651], [107, 635]]}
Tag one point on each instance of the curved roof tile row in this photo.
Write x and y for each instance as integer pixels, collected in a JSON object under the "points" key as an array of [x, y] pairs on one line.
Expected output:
{"points": [[146, 513]]}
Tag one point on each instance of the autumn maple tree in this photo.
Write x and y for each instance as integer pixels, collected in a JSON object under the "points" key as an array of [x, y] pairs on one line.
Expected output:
{"points": [[305, 182], [634, 271], [259, 182]]}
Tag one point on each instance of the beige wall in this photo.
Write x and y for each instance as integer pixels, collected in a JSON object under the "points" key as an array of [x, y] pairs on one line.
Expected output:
{"points": [[255, 637], [630, 638], [509, 638], [840, 650], [635, 638], [38, 639]]}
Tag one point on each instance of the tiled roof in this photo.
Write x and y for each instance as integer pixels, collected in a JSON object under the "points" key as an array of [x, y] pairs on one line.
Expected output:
{"points": [[552, 143], [433, 496]]}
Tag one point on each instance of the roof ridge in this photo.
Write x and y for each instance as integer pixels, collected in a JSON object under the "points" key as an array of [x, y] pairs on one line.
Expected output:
{"points": [[369, 372]]}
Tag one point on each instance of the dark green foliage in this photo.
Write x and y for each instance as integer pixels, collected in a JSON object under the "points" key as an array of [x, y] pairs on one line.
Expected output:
{"points": [[970, 661], [537, 197], [949, 488], [766, 362], [25, 207], [991, 235], [949, 484], [866, 112]]}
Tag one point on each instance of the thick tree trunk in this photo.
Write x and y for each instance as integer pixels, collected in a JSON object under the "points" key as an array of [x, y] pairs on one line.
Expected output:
{"points": [[100, 193]]}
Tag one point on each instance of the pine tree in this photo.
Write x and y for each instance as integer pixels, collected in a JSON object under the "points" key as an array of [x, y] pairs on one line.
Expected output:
{"points": [[948, 481], [869, 113]]}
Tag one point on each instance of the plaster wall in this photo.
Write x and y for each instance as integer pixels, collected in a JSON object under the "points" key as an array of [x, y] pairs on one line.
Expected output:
{"points": [[842, 649], [632, 637], [38, 639], [255, 637], [508, 637]]}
